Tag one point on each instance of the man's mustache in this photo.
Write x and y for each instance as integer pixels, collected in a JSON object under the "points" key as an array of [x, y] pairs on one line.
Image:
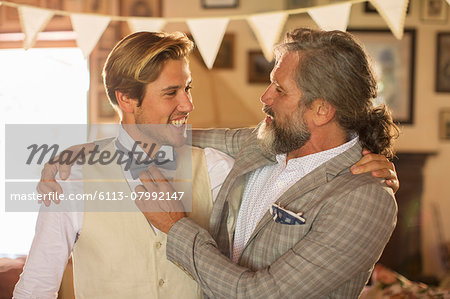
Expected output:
{"points": [[267, 110]]}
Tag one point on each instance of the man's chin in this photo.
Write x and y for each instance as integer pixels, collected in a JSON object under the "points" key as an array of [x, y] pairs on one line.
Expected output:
{"points": [[266, 138], [177, 135]]}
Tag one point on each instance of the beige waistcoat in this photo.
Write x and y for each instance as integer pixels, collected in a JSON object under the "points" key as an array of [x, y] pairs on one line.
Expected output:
{"points": [[118, 255]]}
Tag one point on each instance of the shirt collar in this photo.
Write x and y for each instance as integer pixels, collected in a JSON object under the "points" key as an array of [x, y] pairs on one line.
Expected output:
{"points": [[304, 164]]}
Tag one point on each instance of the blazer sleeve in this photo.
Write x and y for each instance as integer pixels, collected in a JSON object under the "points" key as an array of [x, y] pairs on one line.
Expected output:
{"points": [[228, 141], [346, 239]]}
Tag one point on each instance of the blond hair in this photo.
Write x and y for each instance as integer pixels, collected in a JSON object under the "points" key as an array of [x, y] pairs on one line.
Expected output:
{"points": [[138, 60]]}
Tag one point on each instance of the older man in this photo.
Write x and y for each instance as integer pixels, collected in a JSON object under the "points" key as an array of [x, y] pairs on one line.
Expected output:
{"points": [[291, 221]]}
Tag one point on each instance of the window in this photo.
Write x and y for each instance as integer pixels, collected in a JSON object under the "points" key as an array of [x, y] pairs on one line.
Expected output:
{"points": [[43, 85]]}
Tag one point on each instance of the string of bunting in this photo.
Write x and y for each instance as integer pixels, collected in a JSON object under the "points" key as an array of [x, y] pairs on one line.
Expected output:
{"points": [[207, 32]]}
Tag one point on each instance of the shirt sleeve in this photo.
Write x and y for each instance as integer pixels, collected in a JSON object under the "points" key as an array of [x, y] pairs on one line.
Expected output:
{"points": [[219, 165], [57, 228]]}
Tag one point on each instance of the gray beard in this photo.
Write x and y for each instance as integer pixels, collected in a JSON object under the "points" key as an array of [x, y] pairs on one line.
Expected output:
{"points": [[276, 139]]}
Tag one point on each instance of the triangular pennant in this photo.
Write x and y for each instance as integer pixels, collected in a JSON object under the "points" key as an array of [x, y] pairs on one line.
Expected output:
{"points": [[89, 29], [208, 35], [146, 24], [267, 28], [393, 12], [331, 17], [33, 20]]}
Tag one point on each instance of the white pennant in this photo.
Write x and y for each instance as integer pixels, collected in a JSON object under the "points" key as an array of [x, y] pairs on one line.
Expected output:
{"points": [[89, 29], [208, 35], [332, 17], [393, 12], [146, 24], [33, 20], [267, 28]]}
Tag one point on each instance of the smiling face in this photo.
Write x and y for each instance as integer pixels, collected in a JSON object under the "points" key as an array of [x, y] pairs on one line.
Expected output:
{"points": [[285, 127], [167, 103]]}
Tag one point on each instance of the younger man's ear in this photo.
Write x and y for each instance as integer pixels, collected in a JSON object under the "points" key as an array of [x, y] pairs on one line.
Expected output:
{"points": [[125, 103], [323, 111]]}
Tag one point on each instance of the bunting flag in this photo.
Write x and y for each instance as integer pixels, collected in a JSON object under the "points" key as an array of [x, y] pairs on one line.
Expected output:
{"points": [[89, 29], [332, 17], [208, 35], [393, 12], [267, 28], [33, 20], [142, 24]]}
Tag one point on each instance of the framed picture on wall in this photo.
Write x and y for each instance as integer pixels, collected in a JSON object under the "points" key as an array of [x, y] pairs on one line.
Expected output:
{"points": [[225, 56], [434, 10], [393, 64], [369, 8], [99, 6], [259, 68], [141, 8], [293, 4], [444, 124], [443, 62], [220, 3]]}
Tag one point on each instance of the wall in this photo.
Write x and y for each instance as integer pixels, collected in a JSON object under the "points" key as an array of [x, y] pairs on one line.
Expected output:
{"points": [[224, 98]]}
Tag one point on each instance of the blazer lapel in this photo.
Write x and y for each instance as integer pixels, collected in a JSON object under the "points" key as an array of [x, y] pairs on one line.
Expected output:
{"points": [[319, 176], [230, 195]]}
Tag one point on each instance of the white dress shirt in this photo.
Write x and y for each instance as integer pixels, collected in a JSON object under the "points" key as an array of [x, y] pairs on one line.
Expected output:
{"points": [[59, 225], [267, 184]]}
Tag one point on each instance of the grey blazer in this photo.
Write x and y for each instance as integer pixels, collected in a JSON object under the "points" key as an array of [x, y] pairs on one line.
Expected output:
{"points": [[349, 219]]}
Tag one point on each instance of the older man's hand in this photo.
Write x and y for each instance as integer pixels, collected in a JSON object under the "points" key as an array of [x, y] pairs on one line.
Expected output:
{"points": [[162, 214]]}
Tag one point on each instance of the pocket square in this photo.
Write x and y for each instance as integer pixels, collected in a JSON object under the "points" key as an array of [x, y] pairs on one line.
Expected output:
{"points": [[284, 216]]}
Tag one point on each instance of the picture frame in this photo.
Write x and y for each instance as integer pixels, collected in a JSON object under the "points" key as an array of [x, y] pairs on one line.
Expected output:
{"points": [[212, 4], [141, 8], [99, 6], [393, 63], [370, 9], [259, 68], [293, 4], [443, 62], [225, 55], [444, 124], [434, 11]]}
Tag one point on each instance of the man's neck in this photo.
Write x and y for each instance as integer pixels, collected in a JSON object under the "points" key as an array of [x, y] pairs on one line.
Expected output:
{"points": [[147, 144], [319, 143]]}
